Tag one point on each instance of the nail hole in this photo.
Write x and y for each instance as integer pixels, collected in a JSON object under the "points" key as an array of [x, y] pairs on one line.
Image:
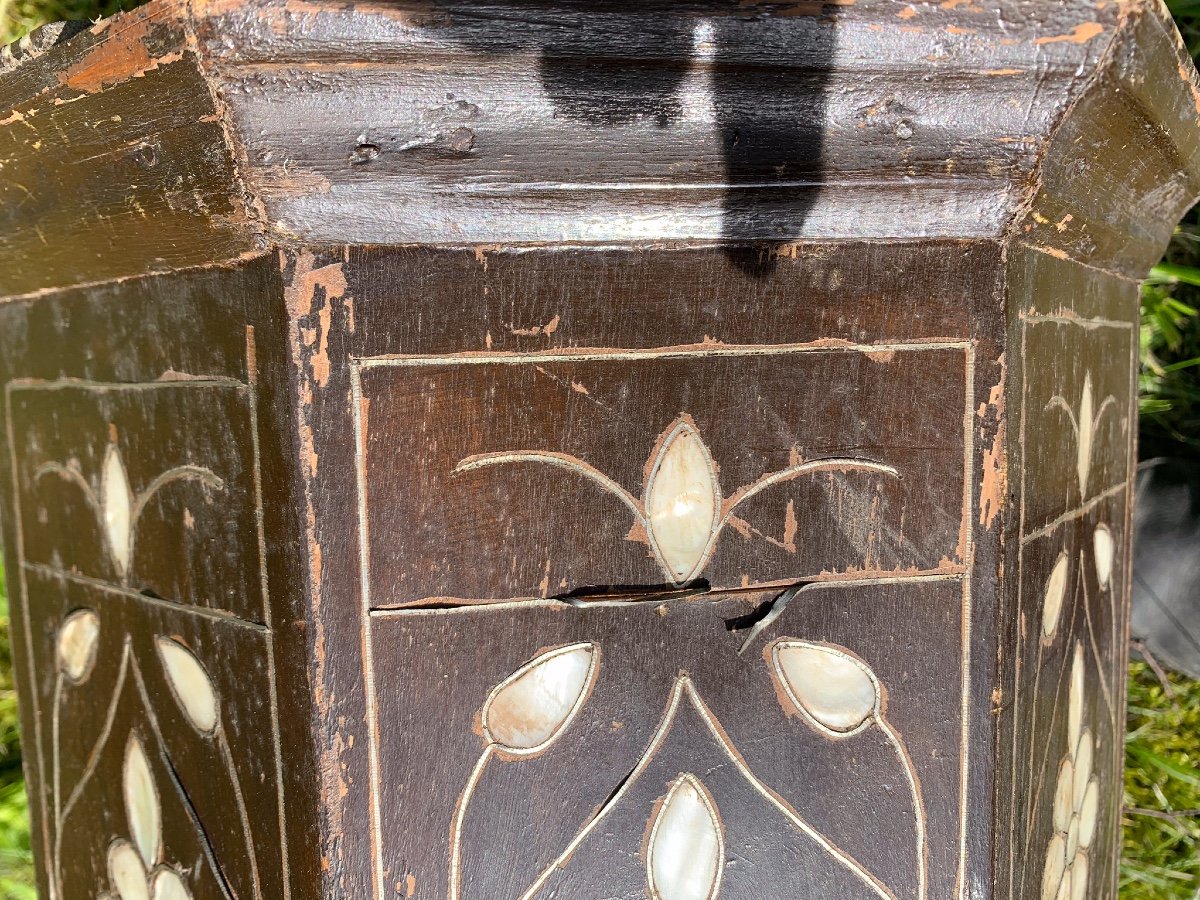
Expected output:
{"points": [[364, 153]]}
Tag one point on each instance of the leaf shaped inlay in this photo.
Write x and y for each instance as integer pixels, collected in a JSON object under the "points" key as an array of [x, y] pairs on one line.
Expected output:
{"points": [[127, 872], [1087, 427], [116, 506], [191, 684], [167, 885], [1056, 592], [1075, 698], [141, 804], [77, 641], [829, 686], [683, 501], [686, 848], [1104, 550], [535, 704]]}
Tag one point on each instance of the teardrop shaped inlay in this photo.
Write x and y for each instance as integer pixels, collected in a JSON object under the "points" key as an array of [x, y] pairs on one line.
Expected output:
{"points": [[687, 846], [167, 885], [77, 641], [116, 506], [832, 688], [1056, 592], [1104, 550], [683, 500], [191, 684], [1075, 699], [141, 803], [535, 704], [127, 872]]}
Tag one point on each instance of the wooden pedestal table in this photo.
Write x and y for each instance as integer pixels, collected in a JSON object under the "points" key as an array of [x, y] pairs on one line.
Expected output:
{"points": [[519, 450]]}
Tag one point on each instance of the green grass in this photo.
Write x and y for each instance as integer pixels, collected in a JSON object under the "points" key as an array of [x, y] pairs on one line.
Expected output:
{"points": [[16, 861], [1161, 854]]}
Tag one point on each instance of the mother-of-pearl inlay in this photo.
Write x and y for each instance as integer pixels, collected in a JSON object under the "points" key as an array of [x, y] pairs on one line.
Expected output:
{"points": [[127, 872], [1086, 427], [686, 850], [683, 501], [141, 804], [167, 885], [1104, 549], [535, 704], [116, 508], [1055, 594], [835, 691], [191, 684], [682, 508], [77, 641], [1076, 807]]}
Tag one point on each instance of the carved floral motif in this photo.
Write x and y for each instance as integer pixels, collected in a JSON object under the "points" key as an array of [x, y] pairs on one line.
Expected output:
{"points": [[682, 509], [836, 693], [118, 508], [1076, 801]]}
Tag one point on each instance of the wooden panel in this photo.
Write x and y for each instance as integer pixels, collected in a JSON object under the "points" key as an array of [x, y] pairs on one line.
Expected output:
{"points": [[1065, 630], [801, 469], [141, 180], [443, 346], [802, 809], [529, 122], [119, 486], [1068, 709], [1078, 415], [209, 812]]}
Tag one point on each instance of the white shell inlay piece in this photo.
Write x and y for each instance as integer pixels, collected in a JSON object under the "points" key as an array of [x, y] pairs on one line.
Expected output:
{"points": [[1056, 592], [1076, 801], [1087, 428], [687, 848], [1075, 699], [832, 688], [191, 684], [127, 872], [1104, 548], [535, 704], [167, 885], [77, 641], [116, 505], [141, 804], [683, 501]]}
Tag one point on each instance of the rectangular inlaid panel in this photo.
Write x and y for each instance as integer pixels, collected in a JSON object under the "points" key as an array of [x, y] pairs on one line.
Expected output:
{"points": [[118, 485], [1078, 412], [152, 725], [545, 750], [1061, 726], [1069, 717], [488, 477]]}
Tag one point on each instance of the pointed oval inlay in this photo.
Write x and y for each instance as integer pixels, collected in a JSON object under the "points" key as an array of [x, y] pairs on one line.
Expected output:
{"points": [[116, 506], [167, 885], [1086, 431], [127, 872], [829, 686], [78, 638], [191, 684], [683, 501], [535, 704], [1104, 550], [1075, 700], [686, 847], [1056, 592], [141, 803]]}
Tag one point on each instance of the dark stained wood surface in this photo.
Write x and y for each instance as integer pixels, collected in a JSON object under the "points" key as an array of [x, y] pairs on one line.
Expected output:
{"points": [[389, 322], [114, 160]]}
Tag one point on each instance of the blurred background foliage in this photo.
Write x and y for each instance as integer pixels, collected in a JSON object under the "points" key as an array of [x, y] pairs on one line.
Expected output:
{"points": [[1161, 859]]}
